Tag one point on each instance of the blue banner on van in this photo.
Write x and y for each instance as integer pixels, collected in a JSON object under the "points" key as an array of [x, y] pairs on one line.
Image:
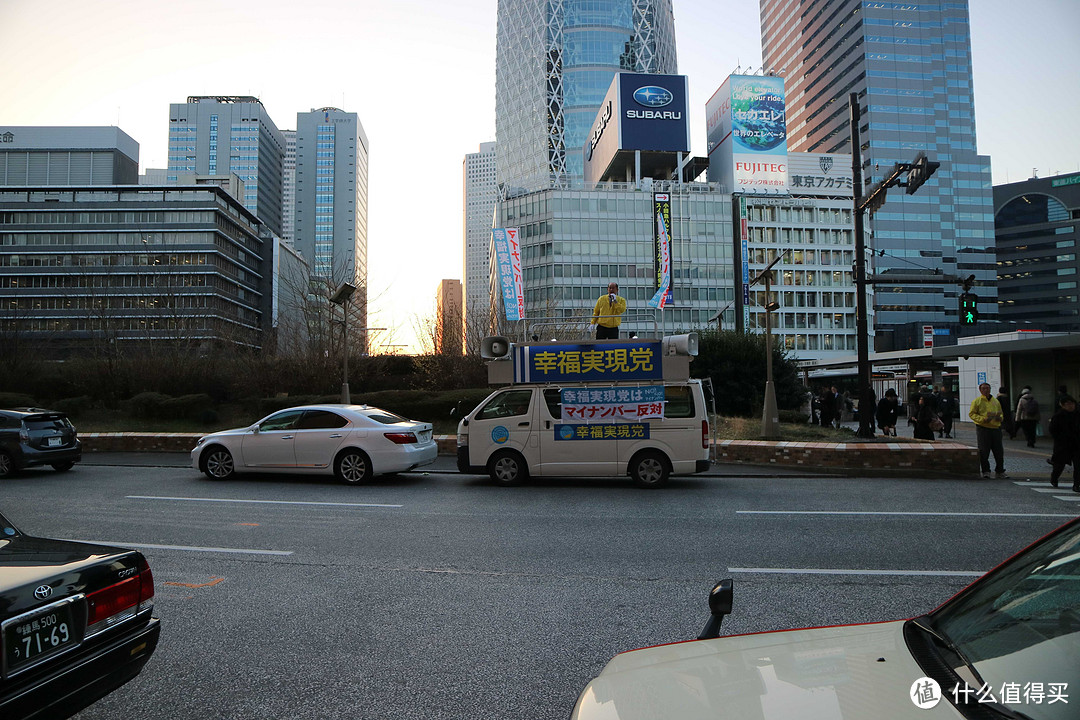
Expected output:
{"points": [[611, 361], [603, 431]]}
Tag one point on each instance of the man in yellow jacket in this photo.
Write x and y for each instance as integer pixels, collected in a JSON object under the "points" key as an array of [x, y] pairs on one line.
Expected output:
{"points": [[608, 313], [987, 415]]}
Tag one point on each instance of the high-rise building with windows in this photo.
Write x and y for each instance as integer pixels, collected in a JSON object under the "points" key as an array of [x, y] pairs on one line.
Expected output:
{"points": [[448, 318], [478, 200], [331, 198], [230, 134], [288, 188], [910, 64], [554, 64]]}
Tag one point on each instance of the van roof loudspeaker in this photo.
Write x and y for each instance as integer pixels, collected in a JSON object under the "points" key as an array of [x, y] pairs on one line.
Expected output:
{"points": [[681, 344], [495, 347]]}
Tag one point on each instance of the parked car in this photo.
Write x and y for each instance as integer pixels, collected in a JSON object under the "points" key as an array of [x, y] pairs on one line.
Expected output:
{"points": [[1007, 646], [352, 442], [76, 622], [29, 436]]}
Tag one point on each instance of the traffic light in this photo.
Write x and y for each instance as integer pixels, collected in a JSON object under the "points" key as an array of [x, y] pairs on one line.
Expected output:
{"points": [[969, 309], [920, 172]]}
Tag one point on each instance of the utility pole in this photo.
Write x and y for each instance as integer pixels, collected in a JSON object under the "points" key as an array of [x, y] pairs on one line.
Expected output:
{"points": [[918, 172], [862, 330]]}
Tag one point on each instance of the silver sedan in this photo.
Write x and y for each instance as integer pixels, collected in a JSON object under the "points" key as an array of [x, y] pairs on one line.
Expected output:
{"points": [[352, 442]]}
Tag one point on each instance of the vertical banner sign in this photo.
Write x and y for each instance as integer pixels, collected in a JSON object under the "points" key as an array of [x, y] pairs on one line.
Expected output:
{"points": [[508, 258], [744, 254], [662, 247]]}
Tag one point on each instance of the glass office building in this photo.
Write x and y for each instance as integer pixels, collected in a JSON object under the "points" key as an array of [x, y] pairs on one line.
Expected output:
{"points": [[554, 64], [574, 242], [910, 64], [230, 134]]}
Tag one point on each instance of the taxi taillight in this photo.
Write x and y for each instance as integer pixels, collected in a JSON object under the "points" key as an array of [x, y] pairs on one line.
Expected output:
{"points": [[120, 601], [401, 438]]}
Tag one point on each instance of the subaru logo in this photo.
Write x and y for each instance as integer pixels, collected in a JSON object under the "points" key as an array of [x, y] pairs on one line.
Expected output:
{"points": [[653, 96], [42, 592]]}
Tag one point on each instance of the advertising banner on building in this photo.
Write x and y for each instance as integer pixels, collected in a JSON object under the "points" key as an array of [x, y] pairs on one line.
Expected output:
{"points": [[819, 174], [614, 360], [662, 250], [508, 259], [612, 404], [746, 123]]}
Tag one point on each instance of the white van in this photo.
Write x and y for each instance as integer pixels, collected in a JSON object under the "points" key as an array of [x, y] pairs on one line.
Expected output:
{"points": [[647, 429]]}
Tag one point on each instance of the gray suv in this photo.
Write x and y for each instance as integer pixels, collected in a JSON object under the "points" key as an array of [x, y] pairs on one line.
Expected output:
{"points": [[29, 436]]}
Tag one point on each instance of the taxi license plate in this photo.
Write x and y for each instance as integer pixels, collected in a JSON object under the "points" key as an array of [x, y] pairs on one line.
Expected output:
{"points": [[37, 636], [56, 441]]}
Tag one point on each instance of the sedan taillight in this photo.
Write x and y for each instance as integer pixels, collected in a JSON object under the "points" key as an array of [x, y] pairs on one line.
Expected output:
{"points": [[401, 438], [121, 601]]}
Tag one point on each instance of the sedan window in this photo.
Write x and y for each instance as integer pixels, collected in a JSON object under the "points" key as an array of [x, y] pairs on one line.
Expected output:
{"points": [[281, 421], [321, 420]]}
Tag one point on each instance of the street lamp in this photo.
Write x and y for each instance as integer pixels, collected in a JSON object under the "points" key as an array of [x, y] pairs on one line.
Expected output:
{"points": [[770, 417], [341, 297]]}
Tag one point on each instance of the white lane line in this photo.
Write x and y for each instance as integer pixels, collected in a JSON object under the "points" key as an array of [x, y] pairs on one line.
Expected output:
{"points": [[837, 571], [264, 502], [1068, 498], [926, 514], [191, 548], [1027, 483]]}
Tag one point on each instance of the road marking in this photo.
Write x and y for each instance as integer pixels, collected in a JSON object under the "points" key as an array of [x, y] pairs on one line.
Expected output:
{"points": [[191, 548], [262, 502], [1068, 498], [212, 583], [836, 571], [927, 514]]}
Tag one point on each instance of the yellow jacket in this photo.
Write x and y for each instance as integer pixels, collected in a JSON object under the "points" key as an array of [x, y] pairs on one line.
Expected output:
{"points": [[607, 313], [986, 412]]}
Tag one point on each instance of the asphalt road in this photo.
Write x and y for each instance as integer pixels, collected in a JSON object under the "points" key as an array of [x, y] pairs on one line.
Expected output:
{"points": [[437, 595]]}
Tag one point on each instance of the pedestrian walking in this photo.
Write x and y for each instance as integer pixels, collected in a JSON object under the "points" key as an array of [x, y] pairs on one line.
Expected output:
{"points": [[946, 409], [986, 413], [828, 407], [924, 416], [1008, 422], [1065, 429], [1027, 415], [887, 411]]}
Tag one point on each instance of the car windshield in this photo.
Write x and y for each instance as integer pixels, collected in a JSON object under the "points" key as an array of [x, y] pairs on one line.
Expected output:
{"points": [[46, 422], [1020, 629]]}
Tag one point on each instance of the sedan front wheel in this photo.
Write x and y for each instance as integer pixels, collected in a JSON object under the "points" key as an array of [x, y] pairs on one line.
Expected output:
{"points": [[218, 463]]}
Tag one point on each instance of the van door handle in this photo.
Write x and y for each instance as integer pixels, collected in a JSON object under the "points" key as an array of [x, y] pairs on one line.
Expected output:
{"points": [[524, 423], [547, 424]]}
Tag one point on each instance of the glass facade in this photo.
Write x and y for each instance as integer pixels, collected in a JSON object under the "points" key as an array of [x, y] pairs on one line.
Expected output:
{"points": [[561, 57], [910, 64], [574, 242]]}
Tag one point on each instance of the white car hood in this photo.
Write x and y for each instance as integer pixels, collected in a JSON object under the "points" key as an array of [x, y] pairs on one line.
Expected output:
{"points": [[813, 674]]}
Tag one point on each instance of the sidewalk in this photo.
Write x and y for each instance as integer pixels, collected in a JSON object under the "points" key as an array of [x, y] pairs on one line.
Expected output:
{"points": [[1021, 462]]}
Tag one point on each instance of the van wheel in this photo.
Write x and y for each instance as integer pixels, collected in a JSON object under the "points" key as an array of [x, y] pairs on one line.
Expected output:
{"points": [[507, 468], [649, 469]]}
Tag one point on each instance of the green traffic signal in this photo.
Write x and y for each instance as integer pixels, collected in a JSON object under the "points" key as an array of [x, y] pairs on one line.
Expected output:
{"points": [[969, 309]]}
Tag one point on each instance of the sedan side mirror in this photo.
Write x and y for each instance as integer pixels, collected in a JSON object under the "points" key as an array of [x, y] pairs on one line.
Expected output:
{"points": [[720, 599], [255, 429]]}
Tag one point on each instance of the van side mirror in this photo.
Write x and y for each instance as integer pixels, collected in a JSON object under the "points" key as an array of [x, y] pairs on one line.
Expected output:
{"points": [[720, 600]]}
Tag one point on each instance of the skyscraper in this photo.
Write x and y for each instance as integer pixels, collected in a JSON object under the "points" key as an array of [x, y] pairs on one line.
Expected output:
{"points": [[331, 198], [554, 64], [478, 199], [230, 134], [910, 64], [288, 188]]}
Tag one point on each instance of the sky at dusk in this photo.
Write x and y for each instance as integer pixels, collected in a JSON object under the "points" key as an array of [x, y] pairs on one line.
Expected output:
{"points": [[421, 76]]}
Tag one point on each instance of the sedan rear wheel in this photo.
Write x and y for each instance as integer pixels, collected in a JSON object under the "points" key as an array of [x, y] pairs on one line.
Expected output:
{"points": [[352, 467], [218, 463], [7, 464]]}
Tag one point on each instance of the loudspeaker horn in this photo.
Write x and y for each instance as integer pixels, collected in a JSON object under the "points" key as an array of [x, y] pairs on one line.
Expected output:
{"points": [[494, 347]]}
